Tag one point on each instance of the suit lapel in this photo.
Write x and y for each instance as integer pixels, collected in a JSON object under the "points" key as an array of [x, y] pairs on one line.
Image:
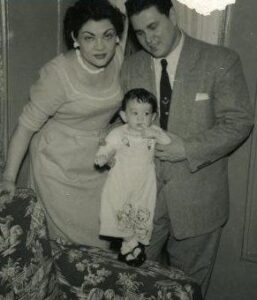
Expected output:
{"points": [[188, 57], [142, 75], [181, 104], [150, 73]]}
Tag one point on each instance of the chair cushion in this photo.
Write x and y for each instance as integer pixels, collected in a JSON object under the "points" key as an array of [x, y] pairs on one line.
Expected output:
{"points": [[26, 265], [93, 273]]}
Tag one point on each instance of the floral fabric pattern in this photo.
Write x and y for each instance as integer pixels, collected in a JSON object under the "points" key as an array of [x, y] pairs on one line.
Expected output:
{"points": [[26, 265], [95, 274]]}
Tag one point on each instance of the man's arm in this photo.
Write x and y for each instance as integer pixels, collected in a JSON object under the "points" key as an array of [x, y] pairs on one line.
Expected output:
{"points": [[234, 121]]}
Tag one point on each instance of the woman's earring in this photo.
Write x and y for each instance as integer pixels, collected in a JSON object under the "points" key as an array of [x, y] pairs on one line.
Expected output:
{"points": [[75, 45], [117, 40]]}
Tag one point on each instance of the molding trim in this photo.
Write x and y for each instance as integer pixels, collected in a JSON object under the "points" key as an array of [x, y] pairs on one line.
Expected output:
{"points": [[249, 247], [59, 26], [4, 103], [225, 27]]}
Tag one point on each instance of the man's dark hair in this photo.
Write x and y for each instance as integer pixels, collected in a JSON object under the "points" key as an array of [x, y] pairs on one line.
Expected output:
{"points": [[141, 96], [136, 6]]}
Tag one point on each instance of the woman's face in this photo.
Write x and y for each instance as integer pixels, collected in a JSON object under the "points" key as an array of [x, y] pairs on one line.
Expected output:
{"points": [[97, 42]]}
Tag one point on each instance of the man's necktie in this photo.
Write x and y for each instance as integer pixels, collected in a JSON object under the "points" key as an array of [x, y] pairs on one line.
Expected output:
{"points": [[165, 95]]}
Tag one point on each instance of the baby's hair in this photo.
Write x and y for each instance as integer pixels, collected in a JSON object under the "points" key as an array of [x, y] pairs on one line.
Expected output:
{"points": [[141, 96]]}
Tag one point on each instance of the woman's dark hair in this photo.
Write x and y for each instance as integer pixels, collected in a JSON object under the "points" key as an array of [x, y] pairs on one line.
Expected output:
{"points": [[136, 6], [84, 10], [141, 96]]}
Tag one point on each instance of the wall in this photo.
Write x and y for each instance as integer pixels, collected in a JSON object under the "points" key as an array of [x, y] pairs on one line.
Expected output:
{"points": [[34, 34], [234, 278]]}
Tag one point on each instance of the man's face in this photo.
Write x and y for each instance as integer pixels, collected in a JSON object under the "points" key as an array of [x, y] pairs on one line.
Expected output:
{"points": [[156, 32]]}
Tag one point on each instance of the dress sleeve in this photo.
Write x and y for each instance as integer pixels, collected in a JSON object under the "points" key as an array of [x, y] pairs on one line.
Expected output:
{"points": [[46, 96], [112, 142]]}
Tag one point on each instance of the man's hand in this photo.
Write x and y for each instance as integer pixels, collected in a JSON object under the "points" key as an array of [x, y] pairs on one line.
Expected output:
{"points": [[150, 133], [173, 152]]}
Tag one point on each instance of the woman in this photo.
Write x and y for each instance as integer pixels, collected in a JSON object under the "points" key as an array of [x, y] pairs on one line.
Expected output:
{"points": [[71, 105]]}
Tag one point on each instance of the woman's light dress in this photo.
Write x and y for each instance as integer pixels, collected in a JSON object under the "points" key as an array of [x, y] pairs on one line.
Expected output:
{"points": [[63, 150]]}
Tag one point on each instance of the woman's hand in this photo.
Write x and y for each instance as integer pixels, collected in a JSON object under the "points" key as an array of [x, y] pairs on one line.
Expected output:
{"points": [[17, 149], [7, 190]]}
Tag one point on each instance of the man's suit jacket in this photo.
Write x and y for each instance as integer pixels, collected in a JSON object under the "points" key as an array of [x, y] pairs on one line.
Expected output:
{"points": [[210, 110]]}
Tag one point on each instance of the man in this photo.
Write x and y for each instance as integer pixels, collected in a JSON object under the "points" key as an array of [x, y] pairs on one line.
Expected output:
{"points": [[204, 106]]}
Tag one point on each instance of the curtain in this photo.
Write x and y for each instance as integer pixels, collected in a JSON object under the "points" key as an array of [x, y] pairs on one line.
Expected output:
{"points": [[3, 88], [206, 28]]}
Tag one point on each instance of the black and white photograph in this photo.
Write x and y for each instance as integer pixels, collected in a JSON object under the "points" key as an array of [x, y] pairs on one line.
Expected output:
{"points": [[128, 150]]}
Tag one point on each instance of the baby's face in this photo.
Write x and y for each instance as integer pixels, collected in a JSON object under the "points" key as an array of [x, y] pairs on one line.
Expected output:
{"points": [[139, 115]]}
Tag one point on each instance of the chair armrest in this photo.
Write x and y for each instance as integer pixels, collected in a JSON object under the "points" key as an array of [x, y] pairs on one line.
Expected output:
{"points": [[26, 264], [93, 273]]}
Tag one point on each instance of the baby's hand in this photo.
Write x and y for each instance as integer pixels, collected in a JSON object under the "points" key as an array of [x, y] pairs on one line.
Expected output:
{"points": [[105, 159], [101, 160]]}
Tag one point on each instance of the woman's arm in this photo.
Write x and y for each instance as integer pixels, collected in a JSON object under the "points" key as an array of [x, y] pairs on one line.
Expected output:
{"points": [[46, 96], [16, 152]]}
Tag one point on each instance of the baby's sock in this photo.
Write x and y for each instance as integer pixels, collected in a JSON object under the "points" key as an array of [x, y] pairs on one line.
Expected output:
{"points": [[128, 245]]}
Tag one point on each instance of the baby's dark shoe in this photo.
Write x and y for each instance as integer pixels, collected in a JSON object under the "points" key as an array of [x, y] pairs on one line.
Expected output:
{"points": [[135, 257]]}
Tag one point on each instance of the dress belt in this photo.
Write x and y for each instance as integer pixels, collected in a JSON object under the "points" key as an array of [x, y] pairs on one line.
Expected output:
{"points": [[76, 131]]}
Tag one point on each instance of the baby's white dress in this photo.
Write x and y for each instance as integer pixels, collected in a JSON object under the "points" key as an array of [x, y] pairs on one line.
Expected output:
{"points": [[129, 194]]}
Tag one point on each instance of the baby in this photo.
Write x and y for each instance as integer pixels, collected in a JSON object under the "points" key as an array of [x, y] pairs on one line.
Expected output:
{"points": [[129, 193]]}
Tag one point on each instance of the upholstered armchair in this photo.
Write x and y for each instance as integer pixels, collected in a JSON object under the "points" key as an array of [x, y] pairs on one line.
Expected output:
{"points": [[33, 268]]}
